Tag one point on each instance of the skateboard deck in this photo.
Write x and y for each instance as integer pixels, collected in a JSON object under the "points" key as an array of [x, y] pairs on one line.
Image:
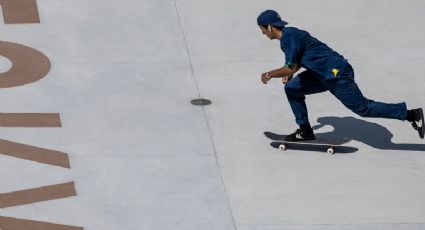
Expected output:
{"points": [[329, 143]]}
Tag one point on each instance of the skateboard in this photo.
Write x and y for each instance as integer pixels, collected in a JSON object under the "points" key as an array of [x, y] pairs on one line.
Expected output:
{"points": [[329, 143]]}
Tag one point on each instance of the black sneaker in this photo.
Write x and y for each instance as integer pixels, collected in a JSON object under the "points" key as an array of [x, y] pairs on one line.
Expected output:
{"points": [[301, 135], [418, 123]]}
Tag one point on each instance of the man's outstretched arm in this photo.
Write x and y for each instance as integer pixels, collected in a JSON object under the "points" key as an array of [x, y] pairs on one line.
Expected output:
{"points": [[285, 73]]}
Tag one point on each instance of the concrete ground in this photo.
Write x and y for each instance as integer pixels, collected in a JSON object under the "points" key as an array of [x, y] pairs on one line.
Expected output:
{"points": [[141, 156]]}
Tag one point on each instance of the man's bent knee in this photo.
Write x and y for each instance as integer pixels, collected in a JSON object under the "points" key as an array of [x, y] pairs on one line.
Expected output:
{"points": [[362, 110]]}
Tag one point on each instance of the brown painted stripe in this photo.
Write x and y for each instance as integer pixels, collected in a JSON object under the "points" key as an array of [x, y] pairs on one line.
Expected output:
{"points": [[52, 192], [20, 11], [8, 223], [29, 65], [32, 153], [30, 120]]}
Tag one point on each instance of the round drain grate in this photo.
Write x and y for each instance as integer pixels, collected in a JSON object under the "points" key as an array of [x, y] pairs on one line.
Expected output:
{"points": [[200, 102]]}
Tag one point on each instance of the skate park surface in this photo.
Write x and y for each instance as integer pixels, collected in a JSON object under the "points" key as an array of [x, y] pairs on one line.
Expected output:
{"points": [[141, 156]]}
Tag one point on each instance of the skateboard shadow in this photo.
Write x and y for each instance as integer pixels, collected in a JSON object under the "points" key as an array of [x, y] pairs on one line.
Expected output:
{"points": [[369, 133]]}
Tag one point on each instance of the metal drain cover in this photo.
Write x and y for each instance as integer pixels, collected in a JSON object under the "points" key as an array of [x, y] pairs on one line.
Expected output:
{"points": [[200, 102]]}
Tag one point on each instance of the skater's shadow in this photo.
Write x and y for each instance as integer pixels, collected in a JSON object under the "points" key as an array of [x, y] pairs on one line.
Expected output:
{"points": [[369, 133]]}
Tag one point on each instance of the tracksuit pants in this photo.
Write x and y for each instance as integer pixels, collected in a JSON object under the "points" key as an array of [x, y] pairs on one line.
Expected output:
{"points": [[345, 89]]}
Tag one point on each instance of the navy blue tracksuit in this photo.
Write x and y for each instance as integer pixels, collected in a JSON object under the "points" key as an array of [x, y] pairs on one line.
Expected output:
{"points": [[326, 70]]}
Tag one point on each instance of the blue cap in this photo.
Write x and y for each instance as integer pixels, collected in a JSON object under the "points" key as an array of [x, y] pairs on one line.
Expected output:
{"points": [[270, 17]]}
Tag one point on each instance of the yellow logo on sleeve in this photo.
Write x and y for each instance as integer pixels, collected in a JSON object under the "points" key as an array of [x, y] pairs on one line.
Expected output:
{"points": [[335, 72]]}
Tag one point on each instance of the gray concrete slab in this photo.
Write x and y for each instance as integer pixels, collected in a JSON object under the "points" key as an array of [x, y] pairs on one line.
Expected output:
{"points": [[135, 192], [112, 110], [104, 31], [342, 227]]}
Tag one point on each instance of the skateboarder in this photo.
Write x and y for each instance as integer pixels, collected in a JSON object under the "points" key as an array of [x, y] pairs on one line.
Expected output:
{"points": [[325, 70]]}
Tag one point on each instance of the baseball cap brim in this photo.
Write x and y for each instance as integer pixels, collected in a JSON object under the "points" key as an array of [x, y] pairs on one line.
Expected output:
{"points": [[279, 23]]}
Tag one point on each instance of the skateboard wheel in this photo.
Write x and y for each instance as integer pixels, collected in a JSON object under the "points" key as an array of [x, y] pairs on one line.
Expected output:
{"points": [[330, 150], [282, 147]]}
